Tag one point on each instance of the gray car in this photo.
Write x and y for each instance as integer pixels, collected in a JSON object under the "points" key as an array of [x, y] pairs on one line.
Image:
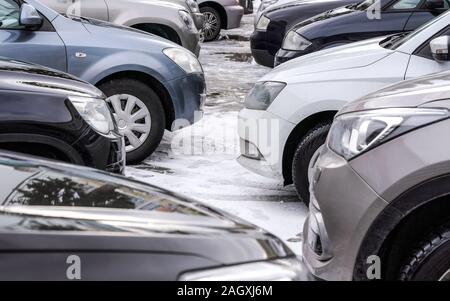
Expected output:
{"points": [[379, 206], [150, 82], [220, 14], [175, 20]]}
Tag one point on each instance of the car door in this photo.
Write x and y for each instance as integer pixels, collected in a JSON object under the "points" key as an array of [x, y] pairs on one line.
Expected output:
{"points": [[40, 45], [96, 9], [422, 62], [424, 14]]}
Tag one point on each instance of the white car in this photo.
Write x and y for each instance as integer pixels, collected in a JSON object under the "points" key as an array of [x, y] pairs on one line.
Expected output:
{"points": [[288, 113]]}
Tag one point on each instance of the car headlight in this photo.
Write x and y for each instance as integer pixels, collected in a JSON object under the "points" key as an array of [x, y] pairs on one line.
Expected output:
{"points": [[263, 94], [276, 270], [187, 19], [294, 41], [193, 6], [185, 59], [95, 112], [355, 133], [263, 23]]}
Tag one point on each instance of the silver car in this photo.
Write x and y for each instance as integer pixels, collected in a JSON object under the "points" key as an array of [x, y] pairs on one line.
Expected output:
{"points": [[220, 14], [380, 187], [175, 20]]}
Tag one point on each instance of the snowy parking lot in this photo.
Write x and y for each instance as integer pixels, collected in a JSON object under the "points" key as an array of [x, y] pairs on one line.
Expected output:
{"points": [[200, 161]]}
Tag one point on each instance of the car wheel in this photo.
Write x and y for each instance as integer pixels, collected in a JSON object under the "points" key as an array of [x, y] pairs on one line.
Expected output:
{"points": [[430, 261], [307, 147], [212, 23], [139, 115]]}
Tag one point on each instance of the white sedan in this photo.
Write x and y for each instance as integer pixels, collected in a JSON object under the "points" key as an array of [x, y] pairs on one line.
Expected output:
{"points": [[289, 111]]}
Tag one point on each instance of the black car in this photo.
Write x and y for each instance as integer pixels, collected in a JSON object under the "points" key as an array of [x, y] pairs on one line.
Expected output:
{"points": [[356, 22], [274, 22], [51, 114], [55, 217]]}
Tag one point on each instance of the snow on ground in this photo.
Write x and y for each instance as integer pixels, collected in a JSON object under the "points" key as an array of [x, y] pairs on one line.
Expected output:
{"points": [[200, 161]]}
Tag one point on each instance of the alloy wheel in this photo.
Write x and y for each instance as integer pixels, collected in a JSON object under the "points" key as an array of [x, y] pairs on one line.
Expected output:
{"points": [[133, 119], [210, 26]]}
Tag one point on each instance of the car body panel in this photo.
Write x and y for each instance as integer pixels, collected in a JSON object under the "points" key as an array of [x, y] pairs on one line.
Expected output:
{"points": [[233, 10], [122, 219], [132, 12]]}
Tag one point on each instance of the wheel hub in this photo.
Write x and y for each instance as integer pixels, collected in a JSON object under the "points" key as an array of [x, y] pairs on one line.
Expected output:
{"points": [[133, 119]]}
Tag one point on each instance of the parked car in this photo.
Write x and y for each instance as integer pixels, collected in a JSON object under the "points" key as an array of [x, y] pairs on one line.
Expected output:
{"points": [[220, 14], [120, 229], [357, 22], [275, 21], [149, 81], [51, 114], [172, 20], [268, 4], [301, 98], [390, 148]]}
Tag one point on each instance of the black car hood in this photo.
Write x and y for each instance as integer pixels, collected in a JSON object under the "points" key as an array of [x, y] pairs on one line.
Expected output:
{"points": [[305, 3], [340, 11], [55, 198], [21, 76]]}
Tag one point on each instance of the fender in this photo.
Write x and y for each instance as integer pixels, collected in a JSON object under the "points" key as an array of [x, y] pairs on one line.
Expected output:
{"points": [[416, 197]]}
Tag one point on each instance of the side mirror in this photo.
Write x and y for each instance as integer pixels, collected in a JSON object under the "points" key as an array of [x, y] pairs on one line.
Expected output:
{"points": [[29, 16], [439, 48], [434, 4]]}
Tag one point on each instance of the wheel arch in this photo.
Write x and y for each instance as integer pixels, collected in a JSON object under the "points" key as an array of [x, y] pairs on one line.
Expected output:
{"points": [[148, 27], [152, 82], [402, 224], [220, 9], [296, 135]]}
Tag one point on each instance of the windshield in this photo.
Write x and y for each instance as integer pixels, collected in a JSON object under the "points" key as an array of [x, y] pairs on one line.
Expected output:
{"points": [[395, 41], [362, 5]]}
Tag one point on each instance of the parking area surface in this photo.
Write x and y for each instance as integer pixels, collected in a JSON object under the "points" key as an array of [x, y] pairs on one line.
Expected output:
{"points": [[200, 161]]}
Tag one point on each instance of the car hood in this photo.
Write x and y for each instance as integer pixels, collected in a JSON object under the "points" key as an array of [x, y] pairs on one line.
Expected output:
{"points": [[298, 3], [408, 93], [21, 76], [98, 204], [355, 55]]}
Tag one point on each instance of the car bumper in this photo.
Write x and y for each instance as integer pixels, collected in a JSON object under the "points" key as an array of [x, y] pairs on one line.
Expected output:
{"points": [[339, 217], [263, 51], [188, 103], [94, 146], [199, 19], [262, 139], [190, 40], [234, 16]]}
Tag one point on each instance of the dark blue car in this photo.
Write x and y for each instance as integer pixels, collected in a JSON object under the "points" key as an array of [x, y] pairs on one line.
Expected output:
{"points": [[356, 22]]}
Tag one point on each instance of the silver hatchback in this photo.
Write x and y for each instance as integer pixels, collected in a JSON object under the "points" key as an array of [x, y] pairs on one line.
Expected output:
{"points": [[380, 187]]}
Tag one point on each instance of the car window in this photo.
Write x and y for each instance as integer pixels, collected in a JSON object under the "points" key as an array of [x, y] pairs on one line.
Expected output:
{"points": [[9, 14], [405, 4]]}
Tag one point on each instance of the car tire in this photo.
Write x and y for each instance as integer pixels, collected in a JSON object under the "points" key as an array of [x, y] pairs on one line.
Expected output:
{"points": [[310, 143], [148, 104], [430, 261], [212, 24]]}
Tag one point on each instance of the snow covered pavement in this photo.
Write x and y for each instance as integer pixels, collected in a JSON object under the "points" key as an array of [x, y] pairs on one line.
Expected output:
{"points": [[200, 161]]}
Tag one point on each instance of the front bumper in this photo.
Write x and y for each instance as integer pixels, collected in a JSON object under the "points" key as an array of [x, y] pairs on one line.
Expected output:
{"points": [[199, 19], [263, 136], [234, 16], [190, 40], [187, 103], [340, 215], [101, 152], [262, 50]]}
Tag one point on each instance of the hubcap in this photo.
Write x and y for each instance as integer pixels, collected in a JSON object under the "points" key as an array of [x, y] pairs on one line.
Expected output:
{"points": [[133, 119], [446, 276], [210, 25]]}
